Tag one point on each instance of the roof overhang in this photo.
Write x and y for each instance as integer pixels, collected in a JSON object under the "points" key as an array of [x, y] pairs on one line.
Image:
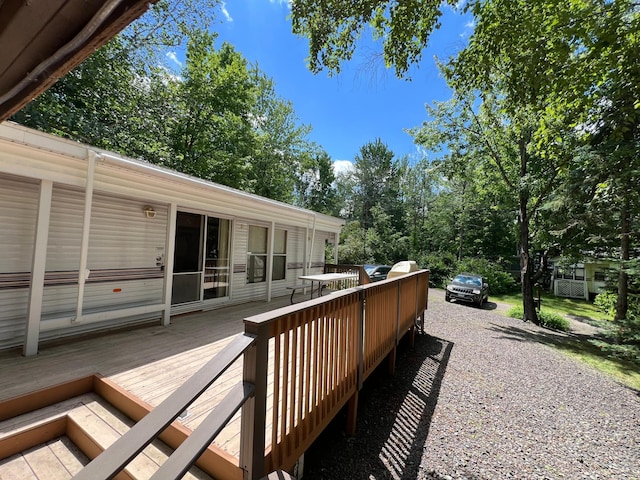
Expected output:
{"points": [[42, 40]]}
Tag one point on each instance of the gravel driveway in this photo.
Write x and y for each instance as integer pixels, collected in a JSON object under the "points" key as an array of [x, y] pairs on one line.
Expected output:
{"points": [[483, 396]]}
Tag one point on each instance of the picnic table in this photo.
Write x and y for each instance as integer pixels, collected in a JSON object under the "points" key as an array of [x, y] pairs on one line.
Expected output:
{"points": [[322, 279]]}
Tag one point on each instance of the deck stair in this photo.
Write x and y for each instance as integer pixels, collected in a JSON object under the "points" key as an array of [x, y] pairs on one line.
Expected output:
{"points": [[57, 441]]}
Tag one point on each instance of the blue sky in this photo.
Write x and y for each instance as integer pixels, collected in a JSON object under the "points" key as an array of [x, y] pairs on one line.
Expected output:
{"points": [[355, 107]]}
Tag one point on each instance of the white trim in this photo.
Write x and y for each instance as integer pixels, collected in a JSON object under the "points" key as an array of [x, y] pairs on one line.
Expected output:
{"points": [[168, 262], [61, 322], [313, 237], [272, 235], [32, 330], [86, 225]]}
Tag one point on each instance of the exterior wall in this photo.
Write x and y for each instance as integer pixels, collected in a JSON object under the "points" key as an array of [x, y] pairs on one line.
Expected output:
{"points": [[126, 251], [18, 211], [587, 287]]}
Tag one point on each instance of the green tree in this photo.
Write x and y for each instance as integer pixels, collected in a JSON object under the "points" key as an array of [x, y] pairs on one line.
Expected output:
{"points": [[109, 101], [211, 134], [376, 180], [526, 59], [91, 103], [333, 28], [281, 144], [316, 188]]}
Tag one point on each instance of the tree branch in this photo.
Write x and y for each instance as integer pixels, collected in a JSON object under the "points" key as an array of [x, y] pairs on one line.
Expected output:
{"points": [[492, 152]]}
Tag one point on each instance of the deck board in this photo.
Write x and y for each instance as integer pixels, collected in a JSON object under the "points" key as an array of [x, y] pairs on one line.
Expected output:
{"points": [[150, 362], [16, 467], [45, 464]]}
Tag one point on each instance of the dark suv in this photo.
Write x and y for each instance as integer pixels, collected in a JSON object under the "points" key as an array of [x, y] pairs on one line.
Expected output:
{"points": [[468, 287]]}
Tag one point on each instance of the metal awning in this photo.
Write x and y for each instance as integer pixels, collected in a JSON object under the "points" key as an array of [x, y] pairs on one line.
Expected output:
{"points": [[42, 40]]}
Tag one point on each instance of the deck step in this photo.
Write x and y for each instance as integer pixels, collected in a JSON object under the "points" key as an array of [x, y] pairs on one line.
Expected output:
{"points": [[92, 425]]}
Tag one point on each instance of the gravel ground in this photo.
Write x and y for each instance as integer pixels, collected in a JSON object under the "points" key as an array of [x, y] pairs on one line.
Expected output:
{"points": [[483, 396]]}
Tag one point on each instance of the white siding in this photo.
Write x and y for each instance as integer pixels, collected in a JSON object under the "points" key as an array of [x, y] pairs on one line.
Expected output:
{"points": [[65, 229], [122, 237], [18, 211]]}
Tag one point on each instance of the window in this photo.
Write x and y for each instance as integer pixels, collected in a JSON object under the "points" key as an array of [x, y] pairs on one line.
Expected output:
{"points": [[579, 273], [257, 255], [279, 255], [600, 276]]}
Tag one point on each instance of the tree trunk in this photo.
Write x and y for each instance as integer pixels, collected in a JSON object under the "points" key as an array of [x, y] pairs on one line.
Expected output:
{"points": [[622, 304], [526, 263], [526, 270]]}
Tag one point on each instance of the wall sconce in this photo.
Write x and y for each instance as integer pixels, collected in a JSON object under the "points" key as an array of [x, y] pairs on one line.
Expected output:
{"points": [[149, 212]]}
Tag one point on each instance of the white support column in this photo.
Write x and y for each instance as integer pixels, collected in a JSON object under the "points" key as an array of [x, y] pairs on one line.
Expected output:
{"points": [[168, 262], [272, 236], [335, 248], [313, 237], [36, 291], [86, 225], [305, 271]]}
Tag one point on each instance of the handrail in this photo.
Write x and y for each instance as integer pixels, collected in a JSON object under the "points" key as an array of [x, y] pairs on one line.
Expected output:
{"points": [[186, 454], [110, 462]]}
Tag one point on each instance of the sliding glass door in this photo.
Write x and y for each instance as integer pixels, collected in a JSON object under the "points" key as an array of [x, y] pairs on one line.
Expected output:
{"points": [[216, 267], [201, 259]]}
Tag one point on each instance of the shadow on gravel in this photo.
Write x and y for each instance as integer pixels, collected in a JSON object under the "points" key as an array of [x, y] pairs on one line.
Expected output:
{"points": [[565, 341], [525, 334], [394, 417]]}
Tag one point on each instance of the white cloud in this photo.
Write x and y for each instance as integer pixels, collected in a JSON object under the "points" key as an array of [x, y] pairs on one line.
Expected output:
{"points": [[174, 58], [225, 12], [458, 7], [281, 2], [342, 166], [468, 29]]}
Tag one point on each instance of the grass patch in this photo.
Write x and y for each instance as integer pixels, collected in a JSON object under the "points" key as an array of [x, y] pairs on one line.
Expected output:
{"points": [[558, 305]]}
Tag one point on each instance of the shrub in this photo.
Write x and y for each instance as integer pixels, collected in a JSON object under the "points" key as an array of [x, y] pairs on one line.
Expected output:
{"points": [[441, 267], [553, 320], [547, 319], [606, 302], [499, 281], [516, 312]]}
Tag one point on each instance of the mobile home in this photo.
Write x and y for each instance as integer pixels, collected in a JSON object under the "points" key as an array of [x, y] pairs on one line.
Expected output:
{"points": [[92, 240]]}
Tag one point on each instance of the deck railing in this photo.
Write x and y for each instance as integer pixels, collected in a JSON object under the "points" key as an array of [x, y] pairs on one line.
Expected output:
{"points": [[321, 353], [363, 277], [317, 355]]}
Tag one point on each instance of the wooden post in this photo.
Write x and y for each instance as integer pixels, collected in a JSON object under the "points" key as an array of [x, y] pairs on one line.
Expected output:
{"points": [[352, 414], [254, 411], [394, 350], [352, 408]]}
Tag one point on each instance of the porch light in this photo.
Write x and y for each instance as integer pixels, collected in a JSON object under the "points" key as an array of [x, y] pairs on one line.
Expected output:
{"points": [[149, 211]]}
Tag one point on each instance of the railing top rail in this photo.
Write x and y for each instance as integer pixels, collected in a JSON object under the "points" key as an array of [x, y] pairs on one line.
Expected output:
{"points": [[259, 320], [122, 451]]}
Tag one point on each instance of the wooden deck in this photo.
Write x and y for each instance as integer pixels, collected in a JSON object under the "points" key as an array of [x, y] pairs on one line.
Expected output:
{"points": [[303, 364], [149, 362]]}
